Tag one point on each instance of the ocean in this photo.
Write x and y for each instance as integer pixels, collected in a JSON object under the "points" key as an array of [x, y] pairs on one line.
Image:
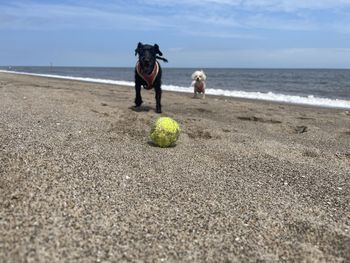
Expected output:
{"points": [[319, 87]]}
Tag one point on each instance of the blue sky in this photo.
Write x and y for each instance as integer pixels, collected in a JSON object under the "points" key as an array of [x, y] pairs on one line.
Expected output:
{"points": [[190, 33]]}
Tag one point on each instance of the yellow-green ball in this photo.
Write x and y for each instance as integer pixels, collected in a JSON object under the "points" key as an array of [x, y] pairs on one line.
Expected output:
{"points": [[165, 132]]}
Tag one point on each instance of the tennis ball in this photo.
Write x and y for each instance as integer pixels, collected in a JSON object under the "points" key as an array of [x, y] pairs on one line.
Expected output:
{"points": [[165, 132]]}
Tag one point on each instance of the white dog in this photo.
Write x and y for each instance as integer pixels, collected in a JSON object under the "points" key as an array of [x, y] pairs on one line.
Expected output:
{"points": [[198, 83]]}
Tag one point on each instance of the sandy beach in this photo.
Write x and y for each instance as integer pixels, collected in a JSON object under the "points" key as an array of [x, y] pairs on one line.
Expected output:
{"points": [[248, 181]]}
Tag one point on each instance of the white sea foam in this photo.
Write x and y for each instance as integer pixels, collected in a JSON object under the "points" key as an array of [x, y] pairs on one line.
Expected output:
{"points": [[104, 81], [270, 96]]}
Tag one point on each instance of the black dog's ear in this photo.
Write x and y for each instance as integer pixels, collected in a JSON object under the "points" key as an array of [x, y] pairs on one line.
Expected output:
{"points": [[139, 47], [157, 50]]}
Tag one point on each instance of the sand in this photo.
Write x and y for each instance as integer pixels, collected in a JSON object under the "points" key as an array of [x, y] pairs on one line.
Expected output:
{"points": [[248, 181]]}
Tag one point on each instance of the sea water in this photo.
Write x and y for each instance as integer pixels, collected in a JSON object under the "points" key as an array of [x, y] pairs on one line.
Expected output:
{"points": [[320, 87]]}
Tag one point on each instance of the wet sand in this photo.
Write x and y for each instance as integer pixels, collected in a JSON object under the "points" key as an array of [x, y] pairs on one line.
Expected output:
{"points": [[248, 181]]}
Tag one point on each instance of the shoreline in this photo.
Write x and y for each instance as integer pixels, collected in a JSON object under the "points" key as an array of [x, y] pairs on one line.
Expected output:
{"points": [[247, 181], [268, 97]]}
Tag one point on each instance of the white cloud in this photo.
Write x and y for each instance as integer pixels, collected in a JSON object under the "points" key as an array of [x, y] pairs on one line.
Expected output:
{"points": [[263, 21], [222, 16], [295, 5], [36, 16], [294, 15], [266, 5]]}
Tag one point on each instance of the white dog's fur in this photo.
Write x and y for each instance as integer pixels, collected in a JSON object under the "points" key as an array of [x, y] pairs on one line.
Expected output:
{"points": [[198, 82]]}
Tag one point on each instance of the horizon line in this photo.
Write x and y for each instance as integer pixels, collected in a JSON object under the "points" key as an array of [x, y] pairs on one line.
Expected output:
{"points": [[179, 67]]}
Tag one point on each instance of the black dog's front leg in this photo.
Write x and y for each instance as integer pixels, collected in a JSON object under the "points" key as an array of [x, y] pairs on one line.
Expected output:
{"points": [[138, 98], [158, 98]]}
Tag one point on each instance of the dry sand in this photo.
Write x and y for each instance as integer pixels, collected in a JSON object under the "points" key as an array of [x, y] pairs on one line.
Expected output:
{"points": [[248, 181]]}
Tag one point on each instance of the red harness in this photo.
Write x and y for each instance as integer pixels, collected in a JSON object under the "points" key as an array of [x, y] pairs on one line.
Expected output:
{"points": [[149, 79], [199, 86]]}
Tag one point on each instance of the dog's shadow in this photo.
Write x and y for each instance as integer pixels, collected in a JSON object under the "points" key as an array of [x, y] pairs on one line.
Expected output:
{"points": [[140, 108]]}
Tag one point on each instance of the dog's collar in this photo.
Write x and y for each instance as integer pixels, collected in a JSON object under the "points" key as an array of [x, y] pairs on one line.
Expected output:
{"points": [[148, 78]]}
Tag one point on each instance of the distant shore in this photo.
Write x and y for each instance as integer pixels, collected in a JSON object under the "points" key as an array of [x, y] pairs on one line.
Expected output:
{"points": [[247, 181]]}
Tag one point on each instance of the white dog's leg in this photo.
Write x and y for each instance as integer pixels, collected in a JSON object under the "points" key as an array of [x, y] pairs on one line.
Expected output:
{"points": [[204, 87], [194, 89]]}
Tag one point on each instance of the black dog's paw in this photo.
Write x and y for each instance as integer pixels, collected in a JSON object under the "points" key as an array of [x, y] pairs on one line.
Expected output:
{"points": [[158, 108], [137, 108]]}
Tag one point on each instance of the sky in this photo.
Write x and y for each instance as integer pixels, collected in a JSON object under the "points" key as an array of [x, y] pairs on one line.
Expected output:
{"points": [[190, 33]]}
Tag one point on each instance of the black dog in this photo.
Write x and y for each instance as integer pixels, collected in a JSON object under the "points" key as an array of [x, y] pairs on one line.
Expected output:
{"points": [[148, 73]]}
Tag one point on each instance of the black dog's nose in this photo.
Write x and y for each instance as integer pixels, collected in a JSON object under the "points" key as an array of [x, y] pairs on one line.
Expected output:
{"points": [[146, 61]]}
